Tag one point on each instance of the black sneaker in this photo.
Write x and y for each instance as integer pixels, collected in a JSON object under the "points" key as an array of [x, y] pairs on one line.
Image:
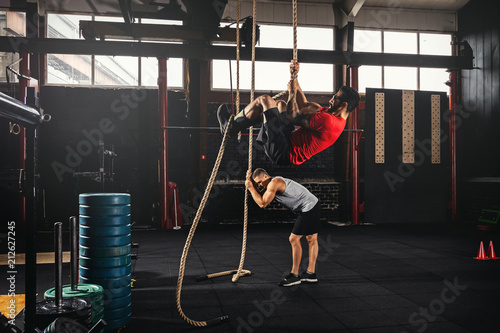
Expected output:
{"points": [[308, 277], [289, 280], [223, 115]]}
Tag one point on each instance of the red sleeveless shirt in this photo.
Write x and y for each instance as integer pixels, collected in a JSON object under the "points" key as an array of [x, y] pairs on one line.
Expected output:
{"points": [[325, 130]]}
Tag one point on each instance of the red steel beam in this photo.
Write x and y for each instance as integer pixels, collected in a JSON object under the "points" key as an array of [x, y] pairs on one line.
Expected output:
{"points": [[163, 142], [354, 153]]}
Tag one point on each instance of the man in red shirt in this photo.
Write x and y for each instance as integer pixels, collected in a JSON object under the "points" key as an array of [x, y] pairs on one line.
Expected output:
{"points": [[319, 127]]}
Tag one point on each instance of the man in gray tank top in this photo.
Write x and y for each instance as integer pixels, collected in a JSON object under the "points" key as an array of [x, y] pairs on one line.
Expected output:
{"points": [[297, 198]]}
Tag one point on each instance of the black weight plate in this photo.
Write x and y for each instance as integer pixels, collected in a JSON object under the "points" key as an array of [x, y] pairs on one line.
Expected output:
{"points": [[104, 210], [115, 303], [102, 252], [115, 324], [68, 306], [111, 272], [104, 221], [111, 283], [105, 241], [92, 231], [63, 324], [104, 199], [105, 262], [118, 313]]}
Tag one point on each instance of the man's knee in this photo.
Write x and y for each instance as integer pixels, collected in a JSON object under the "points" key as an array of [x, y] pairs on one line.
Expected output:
{"points": [[266, 102], [312, 239], [294, 239]]}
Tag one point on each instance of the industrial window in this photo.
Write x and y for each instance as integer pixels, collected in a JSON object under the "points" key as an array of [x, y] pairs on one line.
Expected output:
{"points": [[274, 76], [11, 24], [103, 70], [413, 78]]}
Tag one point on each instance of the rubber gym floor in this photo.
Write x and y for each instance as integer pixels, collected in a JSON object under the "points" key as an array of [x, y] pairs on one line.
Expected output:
{"points": [[372, 278]]}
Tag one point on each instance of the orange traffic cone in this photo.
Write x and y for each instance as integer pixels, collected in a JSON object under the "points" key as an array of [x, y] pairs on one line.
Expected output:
{"points": [[480, 254], [491, 251]]}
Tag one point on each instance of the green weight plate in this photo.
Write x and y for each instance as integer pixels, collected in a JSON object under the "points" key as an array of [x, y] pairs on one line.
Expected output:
{"points": [[111, 272], [86, 291], [105, 231], [105, 262], [109, 283], [104, 221], [104, 210], [105, 241], [115, 293], [103, 252], [116, 303], [118, 323], [104, 198], [118, 313]]}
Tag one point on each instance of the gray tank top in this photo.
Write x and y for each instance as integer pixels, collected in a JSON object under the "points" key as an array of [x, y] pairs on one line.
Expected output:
{"points": [[296, 197]]}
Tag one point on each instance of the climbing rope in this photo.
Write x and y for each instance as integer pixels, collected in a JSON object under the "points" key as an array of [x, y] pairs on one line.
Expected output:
{"points": [[191, 234], [240, 271]]}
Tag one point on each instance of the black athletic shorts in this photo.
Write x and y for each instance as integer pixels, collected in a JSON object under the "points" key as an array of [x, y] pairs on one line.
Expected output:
{"points": [[274, 136], [308, 223]]}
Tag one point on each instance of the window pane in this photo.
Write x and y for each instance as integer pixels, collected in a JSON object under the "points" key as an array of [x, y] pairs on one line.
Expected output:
{"points": [[65, 26], [272, 76], [149, 70], [69, 69], [434, 79], [400, 78], [369, 77], [11, 24], [435, 44], [367, 41], [400, 42], [281, 37], [117, 70]]}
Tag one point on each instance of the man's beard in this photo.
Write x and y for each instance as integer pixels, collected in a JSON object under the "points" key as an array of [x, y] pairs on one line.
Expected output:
{"points": [[334, 108]]}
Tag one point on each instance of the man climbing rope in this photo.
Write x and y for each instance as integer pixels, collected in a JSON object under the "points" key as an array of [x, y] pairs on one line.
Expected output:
{"points": [[296, 197], [319, 127]]}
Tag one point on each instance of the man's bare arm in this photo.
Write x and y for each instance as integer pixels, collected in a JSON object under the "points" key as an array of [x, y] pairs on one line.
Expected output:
{"points": [[265, 199]]}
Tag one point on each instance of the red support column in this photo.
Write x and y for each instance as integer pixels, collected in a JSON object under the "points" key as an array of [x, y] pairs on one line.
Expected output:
{"points": [[354, 154], [453, 145], [163, 143]]}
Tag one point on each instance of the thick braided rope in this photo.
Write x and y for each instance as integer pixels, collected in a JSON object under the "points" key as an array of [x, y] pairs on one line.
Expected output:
{"points": [[294, 14], [250, 148], [193, 229]]}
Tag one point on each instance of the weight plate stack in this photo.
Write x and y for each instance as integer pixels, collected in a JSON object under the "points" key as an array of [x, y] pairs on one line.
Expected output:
{"points": [[92, 292], [77, 309], [63, 324], [105, 259]]}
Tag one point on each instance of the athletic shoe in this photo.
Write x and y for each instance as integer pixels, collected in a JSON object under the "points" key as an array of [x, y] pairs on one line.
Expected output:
{"points": [[289, 280], [223, 115], [308, 277]]}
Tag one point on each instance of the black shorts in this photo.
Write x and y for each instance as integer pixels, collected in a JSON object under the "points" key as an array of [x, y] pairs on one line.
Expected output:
{"points": [[308, 223], [274, 136]]}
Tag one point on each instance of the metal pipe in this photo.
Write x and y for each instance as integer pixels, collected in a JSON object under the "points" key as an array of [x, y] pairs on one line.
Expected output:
{"points": [[163, 120], [58, 263], [74, 252], [453, 144], [176, 227], [18, 112], [354, 154]]}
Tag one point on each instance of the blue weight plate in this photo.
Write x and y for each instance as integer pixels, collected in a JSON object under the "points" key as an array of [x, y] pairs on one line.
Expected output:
{"points": [[105, 231], [118, 312], [112, 293], [104, 210], [116, 303], [111, 272], [103, 199], [115, 324], [105, 262], [110, 283], [104, 221], [102, 252], [111, 241]]}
